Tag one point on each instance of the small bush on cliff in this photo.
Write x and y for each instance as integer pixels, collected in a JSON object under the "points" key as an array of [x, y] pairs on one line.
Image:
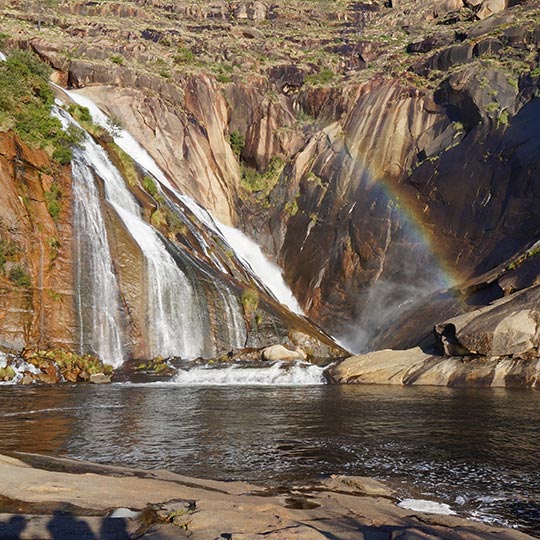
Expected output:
{"points": [[184, 56], [53, 197], [20, 277], [8, 250], [80, 113], [117, 59], [323, 77], [250, 301], [237, 142], [256, 182], [150, 186]]}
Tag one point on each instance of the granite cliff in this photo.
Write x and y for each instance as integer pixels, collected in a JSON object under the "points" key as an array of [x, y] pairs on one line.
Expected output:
{"points": [[381, 152]]}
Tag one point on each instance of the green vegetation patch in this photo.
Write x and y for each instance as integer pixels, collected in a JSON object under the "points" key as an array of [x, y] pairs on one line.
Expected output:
{"points": [[150, 186], [7, 373], [53, 200], [250, 300], [73, 366], [262, 183], [20, 277], [8, 251], [25, 106], [237, 142]]}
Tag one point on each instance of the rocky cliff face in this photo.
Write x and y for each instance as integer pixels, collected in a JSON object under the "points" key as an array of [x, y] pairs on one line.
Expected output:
{"points": [[367, 167], [35, 249]]}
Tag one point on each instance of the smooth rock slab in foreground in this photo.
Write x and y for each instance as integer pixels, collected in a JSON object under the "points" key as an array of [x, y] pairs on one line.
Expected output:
{"points": [[68, 500]]}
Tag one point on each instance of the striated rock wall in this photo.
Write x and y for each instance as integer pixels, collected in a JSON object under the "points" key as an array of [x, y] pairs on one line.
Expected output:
{"points": [[36, 277]]}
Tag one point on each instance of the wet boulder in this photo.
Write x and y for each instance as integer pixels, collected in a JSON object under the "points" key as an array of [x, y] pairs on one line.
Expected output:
{"points": [[100, 378]]}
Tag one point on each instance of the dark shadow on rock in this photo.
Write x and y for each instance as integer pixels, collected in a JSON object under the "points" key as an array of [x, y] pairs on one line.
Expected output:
{"points": [[350, 525], [64, 526], [113, 529], [12, 528]]}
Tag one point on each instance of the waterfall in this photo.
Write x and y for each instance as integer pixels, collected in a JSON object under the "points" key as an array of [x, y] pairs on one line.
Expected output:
{"points": [[97, 293], [267, 272], [97, 289], [173, 322], [246, 250]]}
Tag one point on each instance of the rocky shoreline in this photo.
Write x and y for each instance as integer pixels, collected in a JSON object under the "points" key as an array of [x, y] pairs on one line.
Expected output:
{"points": [[53, 498]]}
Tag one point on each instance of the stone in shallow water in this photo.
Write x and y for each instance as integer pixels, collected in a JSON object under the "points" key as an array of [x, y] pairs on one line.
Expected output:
{"points": [[100, 378]]}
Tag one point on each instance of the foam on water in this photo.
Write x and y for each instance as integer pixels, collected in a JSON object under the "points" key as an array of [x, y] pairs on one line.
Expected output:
{"points": [[278, 374], [429, 507]]}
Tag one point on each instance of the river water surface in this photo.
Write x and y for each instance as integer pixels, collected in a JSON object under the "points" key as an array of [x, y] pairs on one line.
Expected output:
{"points": [[476, 450]]}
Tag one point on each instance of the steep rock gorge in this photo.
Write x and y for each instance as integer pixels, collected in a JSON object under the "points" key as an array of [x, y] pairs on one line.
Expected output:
{"points": [[422, 157]]}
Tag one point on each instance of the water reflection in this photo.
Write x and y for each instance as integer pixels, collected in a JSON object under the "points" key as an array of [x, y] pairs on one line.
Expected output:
{"points": [[478, 450]]}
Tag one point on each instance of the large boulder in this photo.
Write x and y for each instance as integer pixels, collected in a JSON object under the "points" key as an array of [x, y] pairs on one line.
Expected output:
{"points": [[490, 7], [380, 367], [506, 327], [279, 352]]}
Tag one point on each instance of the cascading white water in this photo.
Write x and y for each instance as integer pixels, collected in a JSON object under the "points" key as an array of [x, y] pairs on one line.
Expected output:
{"points": [[279, 374], [236, 326], [246, 249], [97, 289], [268, 272], [174, 324], [98, 294]]}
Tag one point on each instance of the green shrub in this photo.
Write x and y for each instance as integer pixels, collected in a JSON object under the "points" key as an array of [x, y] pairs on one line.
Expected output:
{"points": [[80, 113], [255, 182], [63, 155], [236, 140], [53, 196], [150, 186], [26, 101], [8, 250], [117, 59], [291, 208], [323, 77], [502, 119], [250, 300], [20, 277], [7, 373], [184, 56]]}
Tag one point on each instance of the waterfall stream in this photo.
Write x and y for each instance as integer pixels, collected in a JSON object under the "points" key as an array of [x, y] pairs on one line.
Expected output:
{"points": [[174, 324], [97, 289], [246, 250]]}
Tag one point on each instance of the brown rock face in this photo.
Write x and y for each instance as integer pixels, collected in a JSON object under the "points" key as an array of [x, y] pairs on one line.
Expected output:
{"points": [[187, 138], [37, 308], [384, 181]]}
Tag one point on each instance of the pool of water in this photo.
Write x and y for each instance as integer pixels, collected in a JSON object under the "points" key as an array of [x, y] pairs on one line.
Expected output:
{"points": [[476, 450]]}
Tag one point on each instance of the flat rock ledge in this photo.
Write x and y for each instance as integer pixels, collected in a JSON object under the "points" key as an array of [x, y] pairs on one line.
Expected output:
{"points": [[415, 367], [58, 499]]}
